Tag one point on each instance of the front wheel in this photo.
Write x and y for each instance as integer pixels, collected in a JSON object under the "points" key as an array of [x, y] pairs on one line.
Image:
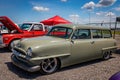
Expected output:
{"points": [[49, 66]]}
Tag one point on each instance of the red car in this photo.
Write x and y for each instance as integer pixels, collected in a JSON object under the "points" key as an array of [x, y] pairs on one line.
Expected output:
{"points": [[15, 32]]}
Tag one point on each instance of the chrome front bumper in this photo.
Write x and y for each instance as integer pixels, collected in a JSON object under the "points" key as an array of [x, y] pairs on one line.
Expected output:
{"points": [[2, 45], [23, 65]]}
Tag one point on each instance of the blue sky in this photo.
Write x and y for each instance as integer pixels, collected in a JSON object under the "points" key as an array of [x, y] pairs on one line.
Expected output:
{"points": [[77, 11]]}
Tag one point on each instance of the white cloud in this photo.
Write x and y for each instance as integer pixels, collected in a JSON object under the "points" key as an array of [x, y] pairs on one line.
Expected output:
{"points": [[89, 6], [74, 15], [110, 14], [75, 18], [117, 8], [40, 8], [64, 0], [101, 13], [105, 3], [102, 3], [98, 13]]}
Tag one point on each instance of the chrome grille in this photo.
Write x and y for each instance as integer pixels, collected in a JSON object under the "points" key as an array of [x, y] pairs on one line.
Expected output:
{"points": [[19, 51]]}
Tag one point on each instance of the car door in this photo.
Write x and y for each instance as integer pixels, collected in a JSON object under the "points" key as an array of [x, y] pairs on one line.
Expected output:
{"points": [[82, 46], [27, 34], [98, 42], [26, 30]]}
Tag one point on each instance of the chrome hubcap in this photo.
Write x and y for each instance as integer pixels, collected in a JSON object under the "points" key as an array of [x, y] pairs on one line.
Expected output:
{"points": [[49, 65], [107, 56]]}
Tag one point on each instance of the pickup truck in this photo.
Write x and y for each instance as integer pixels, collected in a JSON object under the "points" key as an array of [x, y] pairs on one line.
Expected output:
{"points": [[15, 32]]}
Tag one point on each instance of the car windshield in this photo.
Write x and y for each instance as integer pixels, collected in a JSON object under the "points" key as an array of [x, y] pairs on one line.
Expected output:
{"points": [[61, 32], [25, 26]]}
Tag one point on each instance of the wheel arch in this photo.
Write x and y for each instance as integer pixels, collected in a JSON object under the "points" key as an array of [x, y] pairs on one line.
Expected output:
{"points": [[59, 62], [12, 41]]}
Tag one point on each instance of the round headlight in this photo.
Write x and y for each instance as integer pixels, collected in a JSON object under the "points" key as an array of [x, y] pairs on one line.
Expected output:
{"points": [[18, 45], [29, 51]]}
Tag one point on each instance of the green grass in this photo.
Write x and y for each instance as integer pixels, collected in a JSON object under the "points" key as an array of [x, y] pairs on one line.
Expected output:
{"points": [[116, 32]]}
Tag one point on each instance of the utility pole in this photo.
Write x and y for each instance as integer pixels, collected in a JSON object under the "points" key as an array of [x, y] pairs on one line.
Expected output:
{"points": [[89, 18], [117, 20], [110, 18]]}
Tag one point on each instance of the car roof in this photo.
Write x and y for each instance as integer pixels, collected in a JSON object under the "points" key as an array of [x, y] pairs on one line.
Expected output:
{"points": [[80, 26]]}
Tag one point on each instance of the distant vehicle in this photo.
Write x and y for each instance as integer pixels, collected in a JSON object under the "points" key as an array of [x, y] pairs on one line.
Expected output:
{"points": [[64, 45], [116, 76], [3, 29], [0, 26], [26, 30]]}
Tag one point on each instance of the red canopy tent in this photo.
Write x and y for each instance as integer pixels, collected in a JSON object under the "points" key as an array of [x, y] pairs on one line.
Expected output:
{"points": [[55, 20]]}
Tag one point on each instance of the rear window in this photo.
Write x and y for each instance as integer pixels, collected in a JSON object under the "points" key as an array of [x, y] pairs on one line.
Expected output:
{"points": [[96, 34], [37, 27], [82, 34], [106, 34]]}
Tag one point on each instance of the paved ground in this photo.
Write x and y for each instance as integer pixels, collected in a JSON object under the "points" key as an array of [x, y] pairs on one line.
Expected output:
{"points": [[93, 70]]}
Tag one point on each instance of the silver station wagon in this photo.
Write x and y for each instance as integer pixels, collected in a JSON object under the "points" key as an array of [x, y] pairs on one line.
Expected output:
{"points": [[64, 45]]}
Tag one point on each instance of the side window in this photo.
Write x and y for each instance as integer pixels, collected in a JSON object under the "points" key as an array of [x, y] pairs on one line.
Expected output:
{"points": [[107, 34], [96, 33], [82, 34], [25, 26], [37, 27]]}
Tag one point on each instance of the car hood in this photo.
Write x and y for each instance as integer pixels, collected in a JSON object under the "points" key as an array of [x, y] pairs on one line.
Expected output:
{"points": [[9, 24], [38, 42]]}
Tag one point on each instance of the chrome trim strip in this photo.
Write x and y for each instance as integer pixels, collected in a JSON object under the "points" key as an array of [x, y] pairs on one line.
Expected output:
{"points": [[17, 53]]}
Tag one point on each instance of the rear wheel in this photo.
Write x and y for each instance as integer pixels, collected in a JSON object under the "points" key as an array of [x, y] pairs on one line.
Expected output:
{"points": [[106, 55], [49, 66]]}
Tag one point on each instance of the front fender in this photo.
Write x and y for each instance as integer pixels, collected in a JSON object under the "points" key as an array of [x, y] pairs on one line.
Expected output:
{"points": [[37, 60], [52, 49]]}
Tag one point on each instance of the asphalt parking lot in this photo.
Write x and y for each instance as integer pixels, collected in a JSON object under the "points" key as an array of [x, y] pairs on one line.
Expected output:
{"points": [[92, 70]]}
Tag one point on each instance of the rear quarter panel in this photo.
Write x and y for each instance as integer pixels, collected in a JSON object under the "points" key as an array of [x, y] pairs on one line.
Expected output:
{"points": [[97, 51]]}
